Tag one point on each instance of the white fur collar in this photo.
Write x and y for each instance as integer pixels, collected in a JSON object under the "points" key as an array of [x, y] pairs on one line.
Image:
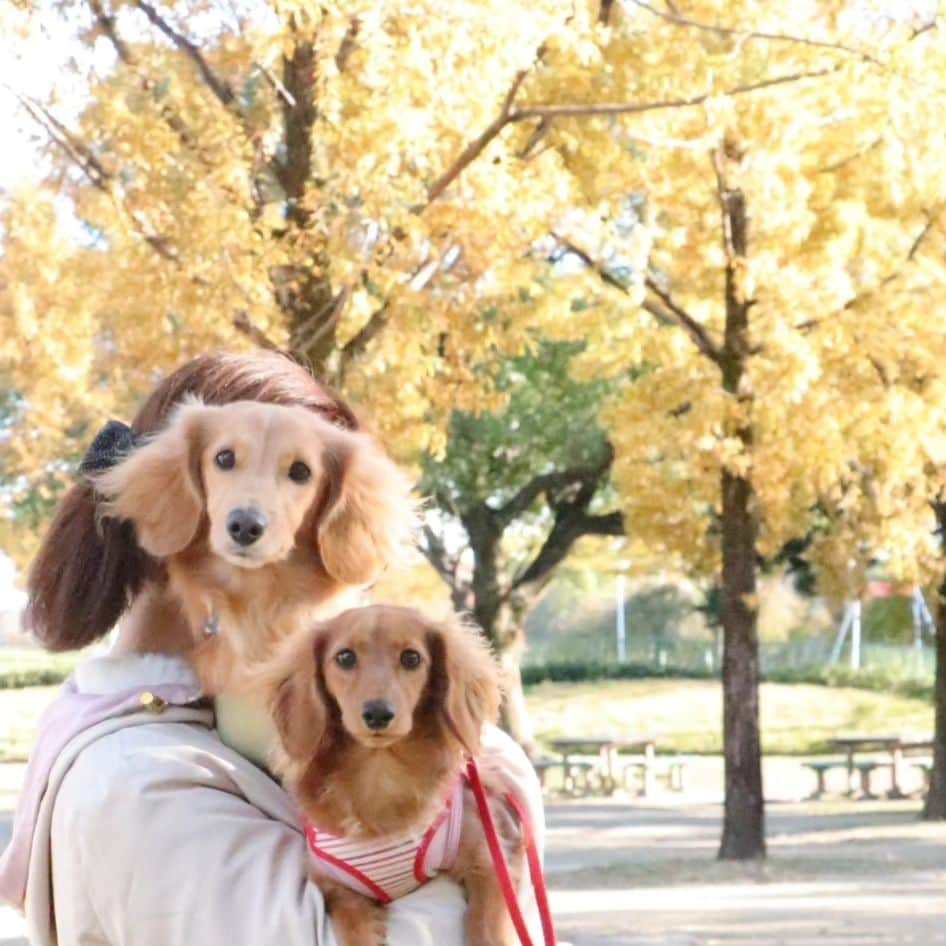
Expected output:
{"points": [[111, 673]]}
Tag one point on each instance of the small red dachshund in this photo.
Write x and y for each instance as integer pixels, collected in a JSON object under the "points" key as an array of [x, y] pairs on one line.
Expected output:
{"points": [[377, 710]]}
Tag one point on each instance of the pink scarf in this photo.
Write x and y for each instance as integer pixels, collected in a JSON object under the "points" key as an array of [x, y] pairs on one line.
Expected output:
{"points": [[68, 716]]}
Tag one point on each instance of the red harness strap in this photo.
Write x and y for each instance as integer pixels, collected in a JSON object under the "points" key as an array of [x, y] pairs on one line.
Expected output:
{"points": [[502, 868]]}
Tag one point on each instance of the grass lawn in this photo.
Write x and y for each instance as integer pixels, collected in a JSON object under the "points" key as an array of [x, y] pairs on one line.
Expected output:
{"points": [[19, 711], [27, 666], [686, 715]]}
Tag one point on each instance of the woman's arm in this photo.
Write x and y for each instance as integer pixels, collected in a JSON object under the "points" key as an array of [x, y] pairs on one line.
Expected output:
{"points": [[505, 756], [164, 838]]}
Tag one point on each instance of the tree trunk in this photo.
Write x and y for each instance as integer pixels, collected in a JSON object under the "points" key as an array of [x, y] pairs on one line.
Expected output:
{"points": [[302, 289], [514, 717], [509, 641], [935, 807], [744, 817], [500, 618], [744, 814]]}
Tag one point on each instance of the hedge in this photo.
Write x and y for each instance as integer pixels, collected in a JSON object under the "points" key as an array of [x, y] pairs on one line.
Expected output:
{"points": [[15, 678], [838, 676], [588, 671]]}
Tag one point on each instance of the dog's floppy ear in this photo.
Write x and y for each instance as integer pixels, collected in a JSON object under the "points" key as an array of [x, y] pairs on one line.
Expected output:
{"points": [[297, 696], [463, 680], [368, 514], [157, 486]]}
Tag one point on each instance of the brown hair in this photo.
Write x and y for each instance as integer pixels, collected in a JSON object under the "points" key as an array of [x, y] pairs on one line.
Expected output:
{"points": [[88, 570]]}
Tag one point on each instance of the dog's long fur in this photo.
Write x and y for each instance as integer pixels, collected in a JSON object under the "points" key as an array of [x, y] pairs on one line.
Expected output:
{"points": [[354, 781], [89, 570], [337, 529]]}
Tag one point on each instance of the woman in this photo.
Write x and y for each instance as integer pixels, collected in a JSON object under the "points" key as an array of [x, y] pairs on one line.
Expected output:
{"points": [[137, 826]]}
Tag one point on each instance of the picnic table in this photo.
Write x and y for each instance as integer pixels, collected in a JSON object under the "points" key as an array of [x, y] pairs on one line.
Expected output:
{"points": [[894, 744], [606, 748]]}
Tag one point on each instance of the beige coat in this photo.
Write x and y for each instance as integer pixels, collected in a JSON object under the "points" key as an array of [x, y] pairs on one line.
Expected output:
{"points": [[153, 833]]}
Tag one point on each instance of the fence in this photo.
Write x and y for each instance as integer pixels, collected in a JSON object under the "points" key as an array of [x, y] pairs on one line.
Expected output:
{"points": [[704, 654]]}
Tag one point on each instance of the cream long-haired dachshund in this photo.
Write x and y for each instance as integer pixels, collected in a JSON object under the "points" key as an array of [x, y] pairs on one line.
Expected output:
{"points": [[377, 710], [264, 514]]}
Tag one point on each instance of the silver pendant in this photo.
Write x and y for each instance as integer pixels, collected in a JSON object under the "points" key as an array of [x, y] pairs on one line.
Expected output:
{"points": [[211, 626]]}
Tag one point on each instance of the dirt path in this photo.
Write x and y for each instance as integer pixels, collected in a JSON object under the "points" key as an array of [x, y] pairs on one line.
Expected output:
{"points": [[838, 874]]}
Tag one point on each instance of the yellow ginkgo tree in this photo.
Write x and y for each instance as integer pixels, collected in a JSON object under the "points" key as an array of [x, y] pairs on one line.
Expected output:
{"points": [[285, 174], [736, 207], [766, 254]]}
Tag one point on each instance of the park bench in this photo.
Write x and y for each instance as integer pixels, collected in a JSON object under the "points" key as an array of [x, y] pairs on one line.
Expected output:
{"points": [[865, 768], [925, 765], [898, 746], [591, 762], [671, 768], [575, 773], [821, 768]]}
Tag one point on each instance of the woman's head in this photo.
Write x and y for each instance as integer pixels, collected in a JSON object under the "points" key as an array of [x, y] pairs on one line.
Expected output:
{"points": [[89, 569]]}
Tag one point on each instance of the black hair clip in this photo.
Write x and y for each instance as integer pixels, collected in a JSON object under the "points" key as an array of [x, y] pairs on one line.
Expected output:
{"points": [[111, 444]]}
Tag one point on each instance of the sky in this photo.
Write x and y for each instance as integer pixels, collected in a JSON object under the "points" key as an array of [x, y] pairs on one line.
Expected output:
{"points": [[19, 157], [33, 65], [24, 65]]}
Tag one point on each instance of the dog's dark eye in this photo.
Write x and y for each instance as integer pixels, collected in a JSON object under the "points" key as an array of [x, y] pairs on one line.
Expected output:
{"points": [[225, 459], [410, 659], [299, 472], [346, 659]]}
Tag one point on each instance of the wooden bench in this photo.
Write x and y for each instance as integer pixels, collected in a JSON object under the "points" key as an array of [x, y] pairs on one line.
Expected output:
{"points": [[672, 768], [925, 765], [865, 769], [821, 768], [575, 775]]}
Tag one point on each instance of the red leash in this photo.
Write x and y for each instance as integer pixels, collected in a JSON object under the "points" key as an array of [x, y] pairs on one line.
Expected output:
{"points": [[502, 868]]}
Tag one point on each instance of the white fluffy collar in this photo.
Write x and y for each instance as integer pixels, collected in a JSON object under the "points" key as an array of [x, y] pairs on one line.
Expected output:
{"points": [[111, 673]]}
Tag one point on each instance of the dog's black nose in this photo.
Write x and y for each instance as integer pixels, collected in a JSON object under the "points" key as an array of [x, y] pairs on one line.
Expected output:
{"points": [[377, 714], [245, 525]]}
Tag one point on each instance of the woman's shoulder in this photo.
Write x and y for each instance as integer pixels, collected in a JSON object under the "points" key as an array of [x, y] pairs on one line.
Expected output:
{"points": [[166, 757]]}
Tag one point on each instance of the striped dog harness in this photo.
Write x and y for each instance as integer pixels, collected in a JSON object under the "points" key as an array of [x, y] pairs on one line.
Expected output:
{"points": [[387, 868]]}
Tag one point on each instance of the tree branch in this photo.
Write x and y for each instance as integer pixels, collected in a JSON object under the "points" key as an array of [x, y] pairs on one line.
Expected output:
{"points": [[679, 20], [509, 115], [680, 317], [545, 483], [299, 114], [671, 314], [106, 23], [218, 86], [243, 324], [633, 108], [275, 84], [734, 224], [570, 510], [314, 331], [571, 523], [348, 43], [842, 162], [896, 274], [915, 247], [93, 169], [479, 144], [611, 523], [378, 319], [599, 269], [60, 136], [435, 552]]}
